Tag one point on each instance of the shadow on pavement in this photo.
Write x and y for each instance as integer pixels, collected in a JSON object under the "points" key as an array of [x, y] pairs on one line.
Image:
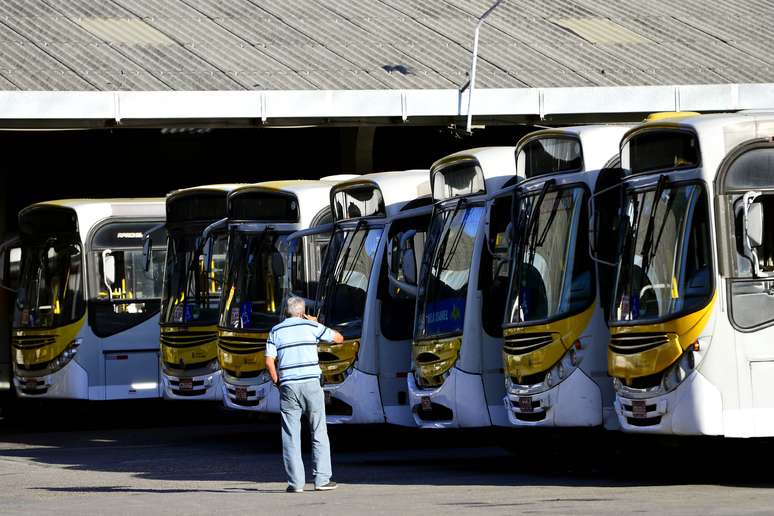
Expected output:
{"points": [[173, 442]]}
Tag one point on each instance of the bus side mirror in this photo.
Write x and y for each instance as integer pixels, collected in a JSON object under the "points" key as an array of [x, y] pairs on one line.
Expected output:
{"points": [[109, 270], [277, 265], [403, 263], [207, 254], [754, 224], [147, 245]]}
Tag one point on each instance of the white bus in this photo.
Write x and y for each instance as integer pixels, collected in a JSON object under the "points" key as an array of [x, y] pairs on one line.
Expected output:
{"points": [[85, 323], [379, 219], [555, 325], [456, 377], [191, 294], [692, 319], [260, 218]]}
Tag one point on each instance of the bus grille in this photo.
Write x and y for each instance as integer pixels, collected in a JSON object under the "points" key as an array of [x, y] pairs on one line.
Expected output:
{"points": [[631, 343], [526, 343], [32, 341], [242, 345], [187, 339]]}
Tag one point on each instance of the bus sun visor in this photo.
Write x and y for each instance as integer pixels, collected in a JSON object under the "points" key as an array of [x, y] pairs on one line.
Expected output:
{"points": [[549, 155], [355, 201], [196, 206], [458, 180], [258, 204]]}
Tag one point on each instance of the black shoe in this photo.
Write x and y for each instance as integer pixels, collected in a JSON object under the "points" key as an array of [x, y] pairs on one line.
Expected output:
{"points": [[292, 489], [330, 486]]}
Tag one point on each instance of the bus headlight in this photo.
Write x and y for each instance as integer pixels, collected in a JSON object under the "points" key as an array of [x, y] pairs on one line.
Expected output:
{"points": [[678, 372], [564, 368], [64, 358]]}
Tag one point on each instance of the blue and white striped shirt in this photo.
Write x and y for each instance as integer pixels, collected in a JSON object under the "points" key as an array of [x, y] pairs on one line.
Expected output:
{"points": [[293, 342]]}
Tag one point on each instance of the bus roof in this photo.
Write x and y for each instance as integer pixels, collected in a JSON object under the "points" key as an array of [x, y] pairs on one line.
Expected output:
{"points": [[397, 187], [224, 188], [717, 133], [92, 211], [600, 143]]}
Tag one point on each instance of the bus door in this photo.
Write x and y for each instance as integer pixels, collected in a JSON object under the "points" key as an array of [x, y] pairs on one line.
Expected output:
{"points": [[746, 208]]}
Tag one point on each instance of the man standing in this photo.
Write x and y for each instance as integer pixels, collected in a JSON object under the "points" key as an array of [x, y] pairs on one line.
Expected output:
{"points": [[292, 362]]}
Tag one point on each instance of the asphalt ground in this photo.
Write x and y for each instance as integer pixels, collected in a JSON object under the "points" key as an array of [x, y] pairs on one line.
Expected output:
{"points": [[196, 458]]}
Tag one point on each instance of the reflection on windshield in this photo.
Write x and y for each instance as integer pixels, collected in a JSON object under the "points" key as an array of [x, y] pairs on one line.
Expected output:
{"points": [[253, 290], [552, 270], [445, 270], [345, 277], [50, 291], [665, 265], [191, 291]]}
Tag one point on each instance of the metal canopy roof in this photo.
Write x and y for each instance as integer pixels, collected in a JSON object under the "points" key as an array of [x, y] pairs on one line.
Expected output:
{"points": [[274, 54]]}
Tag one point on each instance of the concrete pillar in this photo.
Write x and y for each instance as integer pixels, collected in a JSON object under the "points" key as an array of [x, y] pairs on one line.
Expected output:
{"points": [[357, 150]]}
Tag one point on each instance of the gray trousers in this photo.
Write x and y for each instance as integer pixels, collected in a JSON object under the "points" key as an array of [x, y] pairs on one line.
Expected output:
{"points": [[297, 399]]}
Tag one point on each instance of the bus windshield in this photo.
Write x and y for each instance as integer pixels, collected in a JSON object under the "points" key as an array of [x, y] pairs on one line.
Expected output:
{"points": [[443, 281], [665, 266], [51, 288], [191, 292], [552, 271], [345, 276], [253, 288]]}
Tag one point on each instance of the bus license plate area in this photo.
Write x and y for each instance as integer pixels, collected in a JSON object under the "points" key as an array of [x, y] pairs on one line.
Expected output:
{"points": [[31, 384], [240, 393], [186, 384], [638, 409], [525, 403], [426, 403]]}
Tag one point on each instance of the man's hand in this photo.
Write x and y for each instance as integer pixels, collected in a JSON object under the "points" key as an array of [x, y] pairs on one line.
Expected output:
{"points": [[310, 317], [271, 366]]}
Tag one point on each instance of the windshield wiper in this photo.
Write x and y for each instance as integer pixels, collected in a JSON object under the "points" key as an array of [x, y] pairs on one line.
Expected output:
{"points": [[647, 243], [331, 280], [531, 231]]}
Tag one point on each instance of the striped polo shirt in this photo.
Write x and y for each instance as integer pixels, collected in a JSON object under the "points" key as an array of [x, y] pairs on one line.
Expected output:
{"points": [[293, 342]]}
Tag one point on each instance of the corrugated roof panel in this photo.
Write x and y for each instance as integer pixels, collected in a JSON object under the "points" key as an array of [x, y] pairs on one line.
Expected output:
{"points": [[664, 65], [123, 31], [6, 84], [600, 31]]}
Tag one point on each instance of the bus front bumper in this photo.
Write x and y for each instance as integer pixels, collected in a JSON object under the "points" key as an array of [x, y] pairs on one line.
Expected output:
{"points": [[202, 387], [70, 382], [356, 400], [458, 402], [250, 394], [694, 407], [576, 401]]}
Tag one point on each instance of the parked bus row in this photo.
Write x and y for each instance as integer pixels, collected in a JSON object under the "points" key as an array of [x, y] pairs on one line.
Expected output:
{"points": [[619, 276]]}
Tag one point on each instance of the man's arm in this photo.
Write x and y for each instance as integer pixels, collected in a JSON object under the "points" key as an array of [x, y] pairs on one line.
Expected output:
{"points": [[272, 368], [329, 335]]}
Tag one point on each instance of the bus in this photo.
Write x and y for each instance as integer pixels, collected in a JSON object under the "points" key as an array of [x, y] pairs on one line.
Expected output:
{"points": [[85, 322], [379, 221], [692, 318], [456, 364], [261, 216], [555, 326], [191, 294], [10, 260]]}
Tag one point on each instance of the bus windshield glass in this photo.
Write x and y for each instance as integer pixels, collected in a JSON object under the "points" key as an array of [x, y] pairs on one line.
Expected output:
{"points": [[345, 277], [443, 281], [51, 287], [191, 293], [552, 271], [665, 266], [253, 288]]}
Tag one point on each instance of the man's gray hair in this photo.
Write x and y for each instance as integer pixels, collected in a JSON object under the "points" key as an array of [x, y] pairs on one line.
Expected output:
{"points": [[296, 306]]}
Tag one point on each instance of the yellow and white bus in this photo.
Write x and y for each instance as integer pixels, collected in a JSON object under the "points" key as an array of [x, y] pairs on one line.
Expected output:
{"points": [[85, 322], [191, 293], [555, 326], [260, 219], [379, 219], [691, 346], [456, 375]]}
